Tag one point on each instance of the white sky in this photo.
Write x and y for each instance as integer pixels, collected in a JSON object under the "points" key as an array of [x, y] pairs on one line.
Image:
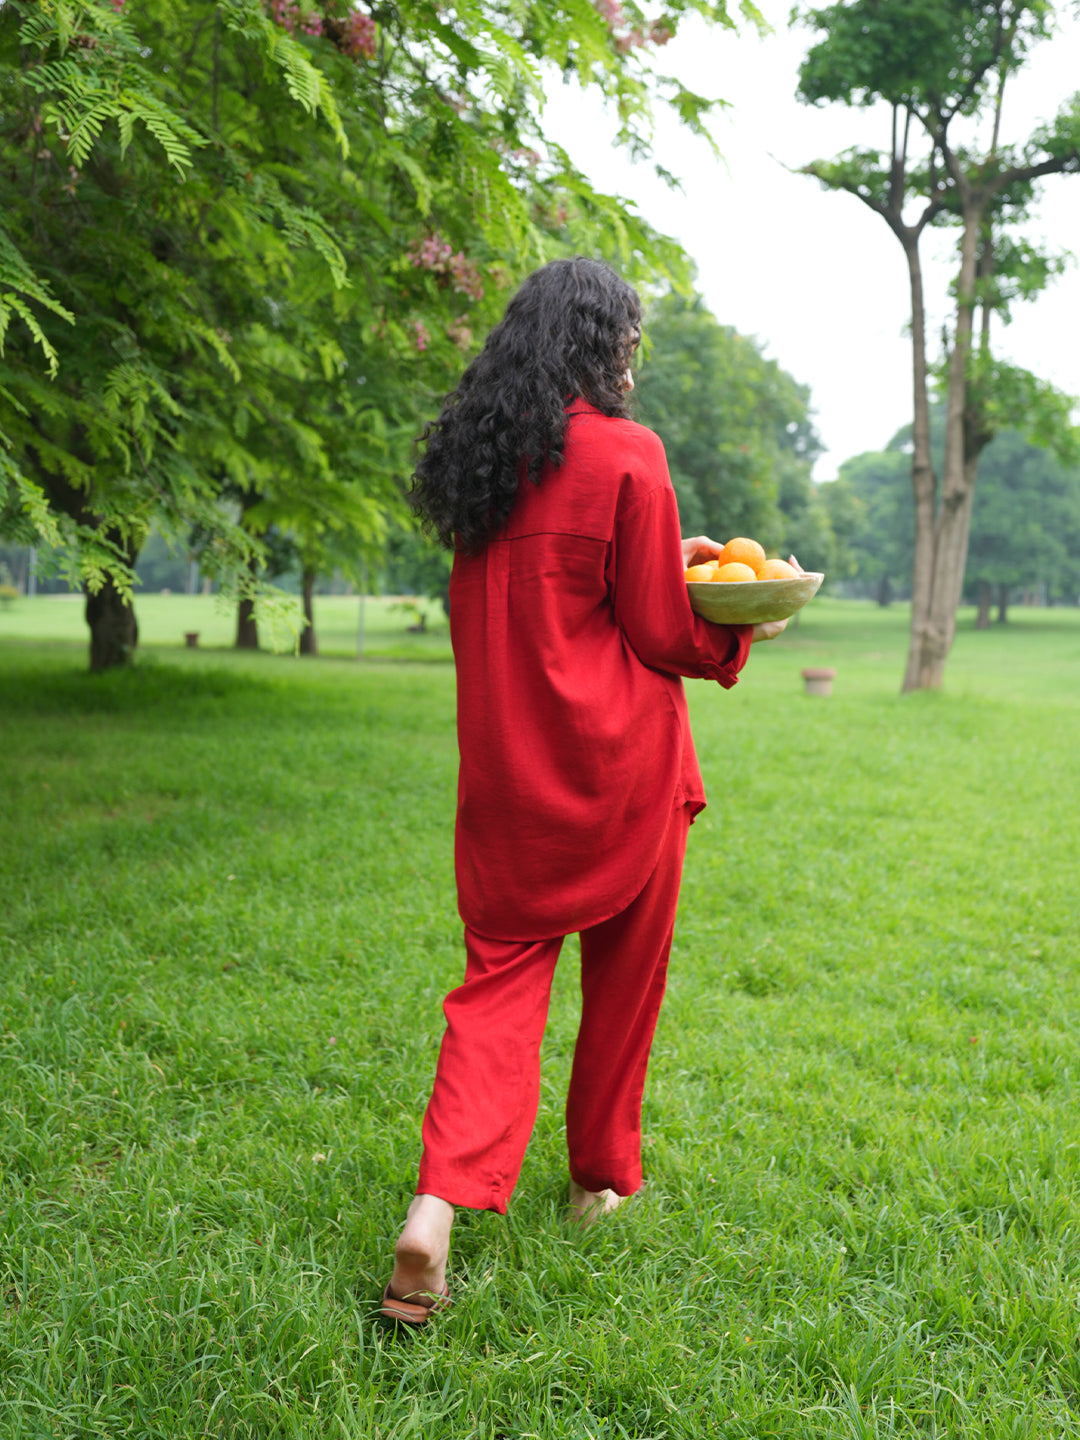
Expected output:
{"points": [[814, 275]]}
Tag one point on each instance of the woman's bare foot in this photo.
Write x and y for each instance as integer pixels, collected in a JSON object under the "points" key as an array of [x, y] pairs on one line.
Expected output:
{"points": [[587, 1206], [422, 1250]]}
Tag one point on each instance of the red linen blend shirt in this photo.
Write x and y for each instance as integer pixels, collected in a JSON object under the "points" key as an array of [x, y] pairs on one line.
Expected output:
{"points": [[571, 630]]}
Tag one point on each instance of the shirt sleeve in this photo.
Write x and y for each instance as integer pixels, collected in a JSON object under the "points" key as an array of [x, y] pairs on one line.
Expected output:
{"points": [[652, 605]]}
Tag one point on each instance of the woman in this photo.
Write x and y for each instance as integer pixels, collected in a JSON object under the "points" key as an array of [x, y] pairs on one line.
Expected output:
{"points": [[571, 629]]}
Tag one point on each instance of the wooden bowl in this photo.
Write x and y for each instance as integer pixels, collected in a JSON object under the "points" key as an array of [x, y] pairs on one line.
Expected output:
{"points": [[751, 602]]}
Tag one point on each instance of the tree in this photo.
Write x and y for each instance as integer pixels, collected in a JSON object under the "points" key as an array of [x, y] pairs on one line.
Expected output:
{"points": [[943, 69], [736, 428], [239, 244], [1025, 526], [882, 537], [414, 563], [1025, 521]]}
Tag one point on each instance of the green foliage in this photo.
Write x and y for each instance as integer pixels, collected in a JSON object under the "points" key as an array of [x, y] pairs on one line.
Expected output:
{"points": [[939, 54], [738, 435], [414, 563], [877, 487], [1025, 525], [84, 64], [1007, 397], [241, 259], [728, 418], [1025, 521]]}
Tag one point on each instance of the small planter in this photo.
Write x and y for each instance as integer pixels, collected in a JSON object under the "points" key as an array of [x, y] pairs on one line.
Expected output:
{"points": [[191, 639], [818, 682]]}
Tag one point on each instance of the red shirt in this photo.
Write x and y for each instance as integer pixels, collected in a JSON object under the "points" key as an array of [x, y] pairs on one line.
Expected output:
{"points": [[570, 632]]}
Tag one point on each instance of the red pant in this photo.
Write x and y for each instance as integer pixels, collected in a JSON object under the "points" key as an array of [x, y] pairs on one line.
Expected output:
{"points": [[487, 1084]]}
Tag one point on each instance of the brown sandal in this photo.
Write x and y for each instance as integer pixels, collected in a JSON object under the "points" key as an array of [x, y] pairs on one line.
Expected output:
{"points": [[409, 1312]]}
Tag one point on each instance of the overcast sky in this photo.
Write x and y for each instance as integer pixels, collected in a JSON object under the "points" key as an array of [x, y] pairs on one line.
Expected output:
{"points": [[814, 275]]}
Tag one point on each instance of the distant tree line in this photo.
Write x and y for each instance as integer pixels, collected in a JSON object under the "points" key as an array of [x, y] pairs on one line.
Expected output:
{"points": [[1025, 522]]}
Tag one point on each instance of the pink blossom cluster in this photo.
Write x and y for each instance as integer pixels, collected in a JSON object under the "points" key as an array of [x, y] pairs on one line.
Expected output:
{"points": [[659, 33], [436, 254], [422, 336], [288, 14], [460, 332], [466, 277], [118, 5], [359, 36], [431, 254]]}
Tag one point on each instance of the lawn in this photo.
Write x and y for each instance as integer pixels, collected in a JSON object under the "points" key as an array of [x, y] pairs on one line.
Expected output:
{"points": [[227, 927], [377, 626]]}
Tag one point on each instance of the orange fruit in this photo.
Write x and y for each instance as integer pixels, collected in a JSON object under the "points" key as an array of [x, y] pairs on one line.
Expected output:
{"points": [[777, 570], [707, 571], [743, 551], [733, 570]]}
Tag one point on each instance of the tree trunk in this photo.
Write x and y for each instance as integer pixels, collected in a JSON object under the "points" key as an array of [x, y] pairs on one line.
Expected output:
{"points": [[1003, 604], [884, 592], [932, 641], [923, 479], [986, 596], [985, 601], [247, 627], [114, 631], [308, 643]]}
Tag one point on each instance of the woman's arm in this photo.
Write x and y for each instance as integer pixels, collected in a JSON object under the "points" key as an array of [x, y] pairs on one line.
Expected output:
{"points": [[650, 597]]}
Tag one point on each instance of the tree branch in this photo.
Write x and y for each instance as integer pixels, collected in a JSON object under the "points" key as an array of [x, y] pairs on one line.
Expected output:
{"points": [[1056, 165], [977, 76]]}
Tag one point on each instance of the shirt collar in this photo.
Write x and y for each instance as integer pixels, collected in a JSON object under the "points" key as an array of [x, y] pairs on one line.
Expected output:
{"points": [[577, 405]]}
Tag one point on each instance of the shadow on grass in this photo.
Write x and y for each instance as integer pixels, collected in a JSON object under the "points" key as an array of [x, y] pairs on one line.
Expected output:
{"points": [[47, 681]]}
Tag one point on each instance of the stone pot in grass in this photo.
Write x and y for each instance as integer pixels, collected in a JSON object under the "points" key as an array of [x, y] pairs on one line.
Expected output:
{"points": [[818, 681]]}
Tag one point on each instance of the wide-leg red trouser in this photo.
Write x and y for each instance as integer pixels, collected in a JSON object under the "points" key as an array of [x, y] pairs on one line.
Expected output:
{"points": [[487, 1083]]}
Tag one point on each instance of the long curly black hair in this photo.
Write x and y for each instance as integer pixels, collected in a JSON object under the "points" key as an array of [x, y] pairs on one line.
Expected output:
{"points": [[570, 332]]}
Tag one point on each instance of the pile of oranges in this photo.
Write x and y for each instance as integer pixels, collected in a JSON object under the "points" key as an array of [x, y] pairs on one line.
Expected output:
{"points": [[742, 559]]}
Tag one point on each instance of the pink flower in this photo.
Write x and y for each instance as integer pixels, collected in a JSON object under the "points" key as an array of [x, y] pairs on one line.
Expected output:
{"points": [[430, 254], [436, 254], [466, 277], [460, 333], [288, 15], [360, 36], [423, 337], [284, 13]]}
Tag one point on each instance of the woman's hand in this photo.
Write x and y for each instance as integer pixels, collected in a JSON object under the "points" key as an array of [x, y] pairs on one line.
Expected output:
{"points": [[767, 630], [699, 549]]}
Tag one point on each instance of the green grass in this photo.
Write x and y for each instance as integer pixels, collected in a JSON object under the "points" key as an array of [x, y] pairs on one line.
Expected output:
{"points": [[227, 926], [165, 619]]}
